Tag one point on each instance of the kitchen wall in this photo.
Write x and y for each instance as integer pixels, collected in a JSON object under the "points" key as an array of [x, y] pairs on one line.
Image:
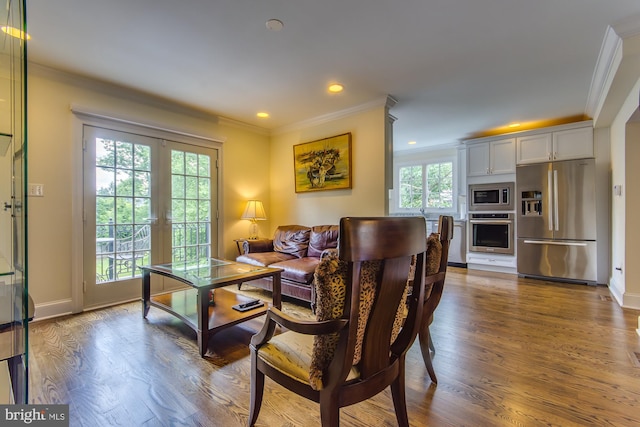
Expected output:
{"points": [[453, 153]]}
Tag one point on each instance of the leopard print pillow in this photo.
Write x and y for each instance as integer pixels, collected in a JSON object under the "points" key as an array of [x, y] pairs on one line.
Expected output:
{"points": [[329, 282], [434, 253]]}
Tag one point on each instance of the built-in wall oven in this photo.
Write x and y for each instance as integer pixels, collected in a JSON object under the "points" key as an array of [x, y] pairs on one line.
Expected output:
{"points": [[491, 232]]}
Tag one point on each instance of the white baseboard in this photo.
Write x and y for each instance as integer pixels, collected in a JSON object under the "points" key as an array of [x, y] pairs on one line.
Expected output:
{"points": [[53, 309], [631, 301], [624, 299]]}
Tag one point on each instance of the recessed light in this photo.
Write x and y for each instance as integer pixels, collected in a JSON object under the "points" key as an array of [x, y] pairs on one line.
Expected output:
{"points": [[335, 88], [14, 32], [262, 115], [274, 24], [412, 143]]}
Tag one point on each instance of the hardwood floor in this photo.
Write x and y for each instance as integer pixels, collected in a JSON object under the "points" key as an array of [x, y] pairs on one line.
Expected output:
{"points": [[510, 352]]}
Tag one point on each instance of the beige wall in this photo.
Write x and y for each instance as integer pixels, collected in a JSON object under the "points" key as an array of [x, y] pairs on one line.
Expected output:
{"points": [[625, 151], [366, 197], [253, 165], [55, 161], [632, 207]]}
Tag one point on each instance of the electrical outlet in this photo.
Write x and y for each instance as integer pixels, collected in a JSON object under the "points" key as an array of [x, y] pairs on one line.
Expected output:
{"points": [[36, 190]]}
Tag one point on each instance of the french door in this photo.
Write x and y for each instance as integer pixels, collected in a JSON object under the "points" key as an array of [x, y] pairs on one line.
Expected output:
{"points": [[146, 201]]}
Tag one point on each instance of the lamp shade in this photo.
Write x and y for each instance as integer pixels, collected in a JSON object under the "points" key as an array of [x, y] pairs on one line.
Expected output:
{"points": [[254, 211]]}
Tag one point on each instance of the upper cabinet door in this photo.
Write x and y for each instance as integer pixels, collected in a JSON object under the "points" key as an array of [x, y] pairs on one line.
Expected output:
{"points": [[573, 144], [560, 145], [534, 148], [478, 159], [491, 158], [503, 156]]}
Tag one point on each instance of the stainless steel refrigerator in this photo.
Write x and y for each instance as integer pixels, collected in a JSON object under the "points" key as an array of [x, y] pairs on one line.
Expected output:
{"points": [[556, 220]]}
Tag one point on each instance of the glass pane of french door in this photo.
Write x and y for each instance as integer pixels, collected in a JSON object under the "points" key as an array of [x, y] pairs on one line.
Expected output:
{"points": [[146, 201], [120, 206], [193, 203]]}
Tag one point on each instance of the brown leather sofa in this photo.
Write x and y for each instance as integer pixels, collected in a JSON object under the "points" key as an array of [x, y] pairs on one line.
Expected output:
{"points": [[297, 250]]}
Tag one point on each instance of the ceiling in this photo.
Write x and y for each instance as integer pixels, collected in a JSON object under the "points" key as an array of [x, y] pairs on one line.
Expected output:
{"points": [[457, 68]]}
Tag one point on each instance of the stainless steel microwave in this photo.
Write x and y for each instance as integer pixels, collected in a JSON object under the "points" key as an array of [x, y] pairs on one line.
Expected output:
{"points": [[491, 197]]}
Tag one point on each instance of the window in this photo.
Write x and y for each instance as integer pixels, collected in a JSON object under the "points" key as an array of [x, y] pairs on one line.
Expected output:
{"points": [[428, 186]]}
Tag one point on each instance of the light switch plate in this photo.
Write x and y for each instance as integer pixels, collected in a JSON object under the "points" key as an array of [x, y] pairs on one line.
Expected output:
{"points": [[36, 190]]}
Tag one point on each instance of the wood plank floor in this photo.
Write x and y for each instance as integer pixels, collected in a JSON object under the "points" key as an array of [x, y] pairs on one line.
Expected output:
{"points": [[510, 352]]}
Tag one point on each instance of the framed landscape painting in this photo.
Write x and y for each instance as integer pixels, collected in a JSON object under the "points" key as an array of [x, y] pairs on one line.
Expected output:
{"points": [[324, 164]]}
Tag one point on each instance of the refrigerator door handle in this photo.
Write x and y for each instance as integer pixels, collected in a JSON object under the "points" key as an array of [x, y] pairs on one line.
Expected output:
{"points": [[550, 204], [553, 242], [555, 200]]}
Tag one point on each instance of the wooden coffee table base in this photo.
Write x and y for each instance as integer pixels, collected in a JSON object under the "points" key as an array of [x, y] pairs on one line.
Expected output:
{"points": [[220, 315], [192, 305]]}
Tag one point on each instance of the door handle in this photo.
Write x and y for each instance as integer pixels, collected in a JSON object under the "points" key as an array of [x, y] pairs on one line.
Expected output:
{"points": [[554, 243], [152, 220], [550, 197], [556, 215]]}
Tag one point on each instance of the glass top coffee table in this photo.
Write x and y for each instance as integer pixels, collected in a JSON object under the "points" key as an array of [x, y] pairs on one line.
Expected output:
{"points": [[202, 309]]}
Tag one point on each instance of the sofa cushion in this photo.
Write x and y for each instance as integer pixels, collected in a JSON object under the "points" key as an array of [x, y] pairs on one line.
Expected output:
{"points": [[264, 259], [292, 239], [322, 237], [298, 269]]}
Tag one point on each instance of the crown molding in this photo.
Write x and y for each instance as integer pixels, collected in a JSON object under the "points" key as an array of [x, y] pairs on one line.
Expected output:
{"points": [[608, 62], [430, 148], [326, 118], [222, 120], [135, 95], [93, 114]]}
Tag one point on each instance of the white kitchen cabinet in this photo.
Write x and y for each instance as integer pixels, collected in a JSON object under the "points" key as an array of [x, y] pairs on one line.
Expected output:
{"points": [[491, 262], [491, 158], [560, 145], [534, 148], [457, 246], [573, 144]]}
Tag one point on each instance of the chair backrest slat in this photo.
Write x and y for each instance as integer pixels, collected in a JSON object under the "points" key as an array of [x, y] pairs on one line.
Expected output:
{"points": [[395, 242]]}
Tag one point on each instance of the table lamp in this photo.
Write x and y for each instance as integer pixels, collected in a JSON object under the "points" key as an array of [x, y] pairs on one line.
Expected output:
{"points": [[253, 212]]}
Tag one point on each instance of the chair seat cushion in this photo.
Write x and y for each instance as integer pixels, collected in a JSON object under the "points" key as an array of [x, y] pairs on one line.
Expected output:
{"points": [[290, 353]]}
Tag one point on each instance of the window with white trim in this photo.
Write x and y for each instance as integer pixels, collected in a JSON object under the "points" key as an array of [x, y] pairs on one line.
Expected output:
{"points": [[428, 186]]}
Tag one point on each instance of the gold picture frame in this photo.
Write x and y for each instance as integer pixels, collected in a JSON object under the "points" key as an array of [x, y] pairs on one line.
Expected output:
{"points": [[323, 165]]}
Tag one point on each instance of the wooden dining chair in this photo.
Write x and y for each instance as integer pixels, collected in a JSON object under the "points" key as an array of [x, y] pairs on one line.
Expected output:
{"points": [[436, 270], [369, 308]]}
